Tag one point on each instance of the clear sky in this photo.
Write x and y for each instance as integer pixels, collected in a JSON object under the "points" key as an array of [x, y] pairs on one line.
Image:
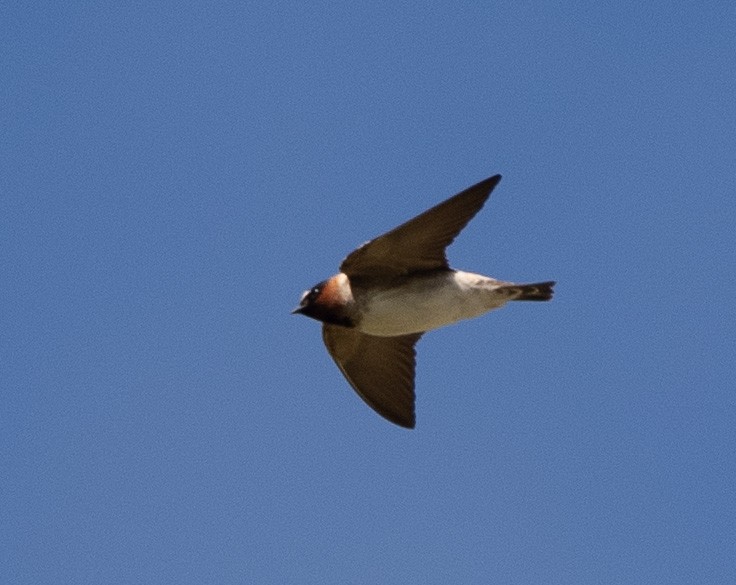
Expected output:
{"points": [[174, 175]]}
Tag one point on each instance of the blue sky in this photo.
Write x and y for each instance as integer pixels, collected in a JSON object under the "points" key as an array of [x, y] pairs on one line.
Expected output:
{"points": [[176, 174]]}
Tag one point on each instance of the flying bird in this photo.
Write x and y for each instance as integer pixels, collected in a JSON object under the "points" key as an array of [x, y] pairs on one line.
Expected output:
{"points": [[393, 289]]}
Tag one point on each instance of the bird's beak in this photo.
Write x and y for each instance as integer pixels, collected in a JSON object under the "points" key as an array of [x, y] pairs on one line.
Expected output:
{"points": [[299, 309]]}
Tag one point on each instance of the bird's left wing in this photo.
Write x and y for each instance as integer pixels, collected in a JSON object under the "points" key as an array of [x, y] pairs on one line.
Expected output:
{"points": [[419, 244]]}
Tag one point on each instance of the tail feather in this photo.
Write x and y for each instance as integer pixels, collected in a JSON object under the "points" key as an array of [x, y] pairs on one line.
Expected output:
{"points": [[540, 291]]}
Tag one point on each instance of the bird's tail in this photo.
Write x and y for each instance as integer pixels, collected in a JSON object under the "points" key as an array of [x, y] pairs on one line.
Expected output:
{"points": [[540, 291]]}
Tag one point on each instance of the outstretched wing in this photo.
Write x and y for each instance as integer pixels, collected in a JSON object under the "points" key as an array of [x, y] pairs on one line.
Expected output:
{"points": [[419, 244], [380, 369]]}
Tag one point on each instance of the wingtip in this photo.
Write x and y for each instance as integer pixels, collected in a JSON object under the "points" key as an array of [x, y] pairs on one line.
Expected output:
{"points": [[410, 424], [405, 420], [486, 185]]}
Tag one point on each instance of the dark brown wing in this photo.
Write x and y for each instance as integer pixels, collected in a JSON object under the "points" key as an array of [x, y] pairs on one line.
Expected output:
{"points": [[380, 369], [419, 244]]}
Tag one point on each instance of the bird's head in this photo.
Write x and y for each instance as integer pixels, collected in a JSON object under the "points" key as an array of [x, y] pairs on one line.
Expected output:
{"points": [[330, 301]]}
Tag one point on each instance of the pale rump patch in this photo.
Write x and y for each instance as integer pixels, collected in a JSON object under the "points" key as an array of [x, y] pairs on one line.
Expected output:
{"points": [[426, 303]]}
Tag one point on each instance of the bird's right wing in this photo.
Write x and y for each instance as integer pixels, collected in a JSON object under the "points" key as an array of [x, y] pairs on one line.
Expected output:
{"points": [[380, 369]]}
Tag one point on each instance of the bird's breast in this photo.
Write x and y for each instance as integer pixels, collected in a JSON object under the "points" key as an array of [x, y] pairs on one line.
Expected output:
{"points": [[425, 302]]}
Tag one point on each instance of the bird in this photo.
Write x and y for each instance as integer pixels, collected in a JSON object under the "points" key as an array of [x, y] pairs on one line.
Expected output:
{"points": [[393, 289]]}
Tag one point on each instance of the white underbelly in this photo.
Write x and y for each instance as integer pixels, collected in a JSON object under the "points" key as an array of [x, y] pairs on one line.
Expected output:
{"points": [[429, 303]]}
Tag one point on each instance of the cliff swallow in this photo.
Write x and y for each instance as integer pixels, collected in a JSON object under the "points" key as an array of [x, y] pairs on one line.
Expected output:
{"points": [[393, 289]]}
